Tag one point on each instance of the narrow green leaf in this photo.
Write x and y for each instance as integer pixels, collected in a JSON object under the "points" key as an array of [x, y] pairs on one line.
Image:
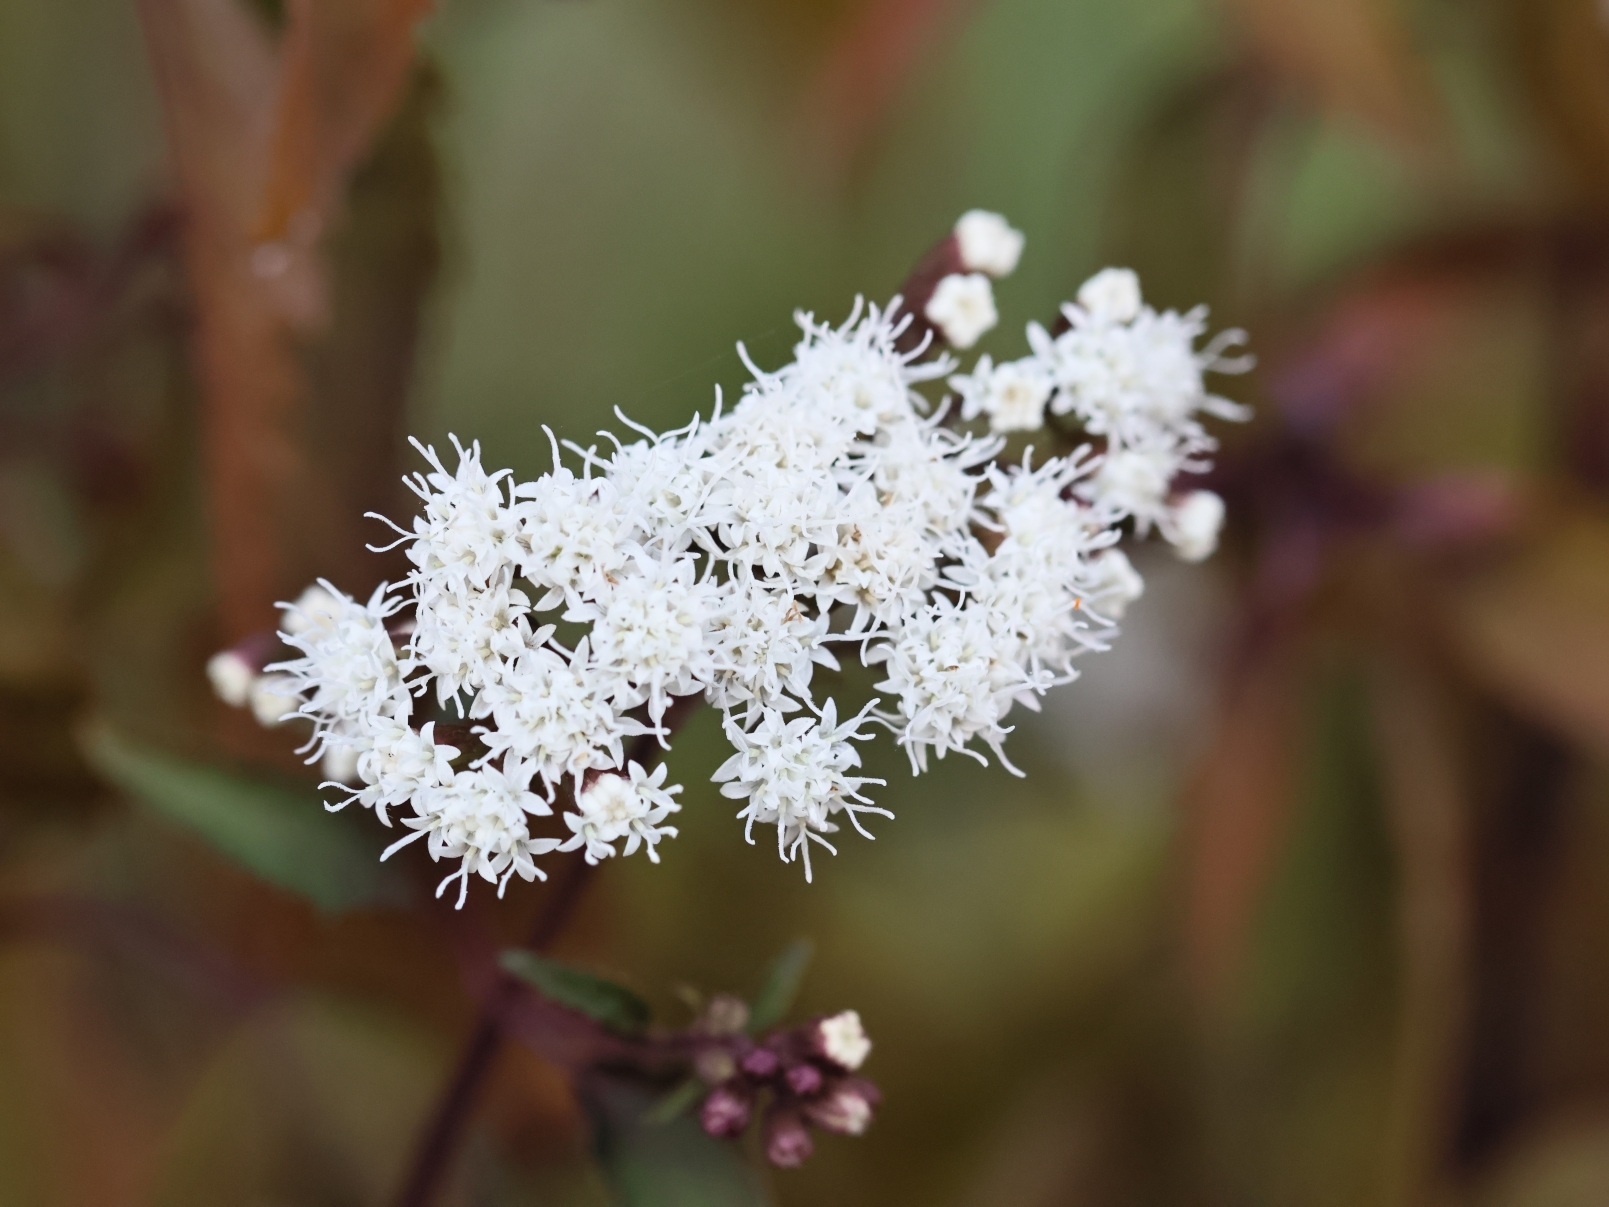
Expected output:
{"points": [[781, 988], [676, 1103], [281, 834], [612, 1005], [673, 1164]]}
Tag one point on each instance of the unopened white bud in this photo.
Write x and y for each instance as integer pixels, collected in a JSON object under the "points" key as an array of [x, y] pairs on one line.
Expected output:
{"points": [[1194, 523], [274, 698], [340, 764], [844, 1110], [988, 243], [1112, 295], [843, 1040], [1116, 584], [1134, 480], [1016, 398], [314, 608], [962, 307], [231, 677]]}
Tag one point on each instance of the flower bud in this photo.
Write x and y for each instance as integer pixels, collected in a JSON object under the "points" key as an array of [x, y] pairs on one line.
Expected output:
{"points": [[315, 608], [274, 699], [726, 1111], [787, 1140], [1112, 295], [804, 1079], [1193, 525], [842, 1040], [725, 1015], [232, 677], [846, 1108], [962, 308], [1114, 583], [988, 243], [761, 1063], [340, 764], [714, 1065]]}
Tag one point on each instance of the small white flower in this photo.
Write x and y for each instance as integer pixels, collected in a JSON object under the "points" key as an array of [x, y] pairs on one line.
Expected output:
{"points": [[653, 636], [962, 308], [843, 1040], [316, 607], [478, 818], [1133, 482], [1113, 583], [553, 714], [397, 763], [274, 699], [1111, 295], [793, 775], [988, 243], [632, 806], [339, 763], [1012, 395], [231, 677], [349, 669], [1193, 523]]}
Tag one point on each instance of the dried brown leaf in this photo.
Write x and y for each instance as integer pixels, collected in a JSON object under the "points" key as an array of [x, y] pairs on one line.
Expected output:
{"points": [[1563, 50], [1428, 808], [1534, 627], [1353, 57]]}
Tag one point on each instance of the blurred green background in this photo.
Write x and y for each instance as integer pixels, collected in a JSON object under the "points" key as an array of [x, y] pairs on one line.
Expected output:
{"points": [[1302, 899]]}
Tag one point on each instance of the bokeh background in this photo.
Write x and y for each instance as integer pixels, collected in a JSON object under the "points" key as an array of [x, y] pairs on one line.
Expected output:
{"points": [[1302, 901]]}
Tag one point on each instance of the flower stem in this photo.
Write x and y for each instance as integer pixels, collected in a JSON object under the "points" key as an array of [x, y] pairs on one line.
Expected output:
{"points": [[438, 1143]]}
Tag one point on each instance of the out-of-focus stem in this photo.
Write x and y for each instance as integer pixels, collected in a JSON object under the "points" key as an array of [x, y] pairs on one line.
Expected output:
{"points": [[440, 1139]]}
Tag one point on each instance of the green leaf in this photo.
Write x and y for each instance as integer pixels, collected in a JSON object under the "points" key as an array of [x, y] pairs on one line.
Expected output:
{"points": [[281, 834], [776, 996], [672, 1164], [612, 1005], [676, 1103]]}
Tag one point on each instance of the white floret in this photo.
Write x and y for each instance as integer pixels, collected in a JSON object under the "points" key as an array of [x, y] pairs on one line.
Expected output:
{"points": [[988, 243], [633, 807], [793, 775], [962, 308]]}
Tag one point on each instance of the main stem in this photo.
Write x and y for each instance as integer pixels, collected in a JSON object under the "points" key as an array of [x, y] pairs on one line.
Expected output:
{"points": [[440, 1139]]}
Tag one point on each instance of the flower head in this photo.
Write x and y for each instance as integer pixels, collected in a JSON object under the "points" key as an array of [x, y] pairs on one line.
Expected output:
{"points": [[835, 510], [631, 806]]}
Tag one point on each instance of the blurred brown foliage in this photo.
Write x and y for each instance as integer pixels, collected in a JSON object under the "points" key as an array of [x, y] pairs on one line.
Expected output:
{"points": [[1340, 935]]}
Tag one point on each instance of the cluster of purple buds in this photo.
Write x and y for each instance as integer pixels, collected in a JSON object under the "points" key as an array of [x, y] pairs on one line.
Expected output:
{"points": [[805, 1074]]}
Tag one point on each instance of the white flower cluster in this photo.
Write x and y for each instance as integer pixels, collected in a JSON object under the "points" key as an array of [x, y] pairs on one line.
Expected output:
{"points": [[831, 507]]}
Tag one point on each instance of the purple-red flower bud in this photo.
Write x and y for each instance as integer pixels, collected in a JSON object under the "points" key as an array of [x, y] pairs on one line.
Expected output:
{"points": [[846, 1108], [787, 1140], [726, 1111], [804, 1079], [762, 1063]]}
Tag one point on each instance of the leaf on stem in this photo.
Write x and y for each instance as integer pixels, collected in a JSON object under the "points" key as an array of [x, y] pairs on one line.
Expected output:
{"points": [[781, 988], [282, 835], [676, 1103], [604, 1002]]}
